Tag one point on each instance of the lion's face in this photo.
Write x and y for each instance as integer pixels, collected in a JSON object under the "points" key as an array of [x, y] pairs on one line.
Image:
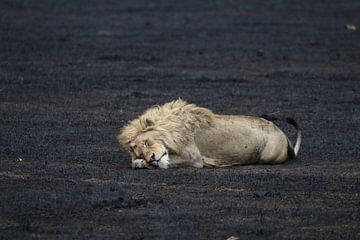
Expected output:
{"points": [[151, 150]]}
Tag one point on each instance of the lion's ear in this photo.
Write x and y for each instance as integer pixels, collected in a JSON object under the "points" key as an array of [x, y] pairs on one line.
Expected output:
{"points": [[149, 123]]}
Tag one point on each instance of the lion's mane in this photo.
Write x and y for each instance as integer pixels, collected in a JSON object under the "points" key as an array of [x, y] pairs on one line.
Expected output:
{"points": [[175, 123]]}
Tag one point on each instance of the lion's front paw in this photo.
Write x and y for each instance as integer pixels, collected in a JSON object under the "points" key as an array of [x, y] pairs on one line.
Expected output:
{"points": [[139, 163]]}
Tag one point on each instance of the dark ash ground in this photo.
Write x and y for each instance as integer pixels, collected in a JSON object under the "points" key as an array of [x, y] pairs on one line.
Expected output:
{"points": [[73, 72]]}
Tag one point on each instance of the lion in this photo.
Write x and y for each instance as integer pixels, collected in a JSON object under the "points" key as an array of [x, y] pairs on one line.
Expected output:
{"points": [[178, 134]]}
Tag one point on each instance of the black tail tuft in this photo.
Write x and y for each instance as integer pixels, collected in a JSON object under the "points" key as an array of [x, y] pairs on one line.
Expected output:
{"points": [[291, 121]]}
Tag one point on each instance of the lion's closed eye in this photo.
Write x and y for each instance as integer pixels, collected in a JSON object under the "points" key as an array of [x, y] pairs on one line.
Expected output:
{"points": [[146, 144]]}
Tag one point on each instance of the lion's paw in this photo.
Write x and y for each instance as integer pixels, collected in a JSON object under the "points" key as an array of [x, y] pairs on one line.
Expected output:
{"points": [[139, 163]]}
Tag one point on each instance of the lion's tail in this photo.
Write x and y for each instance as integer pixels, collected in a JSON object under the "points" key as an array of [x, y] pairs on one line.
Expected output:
{"points": [[293, 151]]}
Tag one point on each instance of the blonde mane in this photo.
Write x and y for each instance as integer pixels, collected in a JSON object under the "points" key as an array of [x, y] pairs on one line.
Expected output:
{"points": [[175, 123]]}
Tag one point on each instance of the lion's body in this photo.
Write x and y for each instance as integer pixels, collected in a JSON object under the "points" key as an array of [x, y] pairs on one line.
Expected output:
{"points": [[239, 140], [195, 136]]}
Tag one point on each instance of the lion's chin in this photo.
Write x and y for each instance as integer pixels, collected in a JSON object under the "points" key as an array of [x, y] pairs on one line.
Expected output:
{"points": [[164, 162]]}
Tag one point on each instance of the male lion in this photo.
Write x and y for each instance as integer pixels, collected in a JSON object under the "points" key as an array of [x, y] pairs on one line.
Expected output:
{"points": [[181, 134]]}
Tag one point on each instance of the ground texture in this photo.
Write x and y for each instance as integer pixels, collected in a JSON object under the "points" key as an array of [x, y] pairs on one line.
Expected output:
{"points": [[73, 72]]}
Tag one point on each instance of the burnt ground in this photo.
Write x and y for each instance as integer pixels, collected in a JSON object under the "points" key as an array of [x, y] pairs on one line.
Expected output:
{"points": [[73, 72]]}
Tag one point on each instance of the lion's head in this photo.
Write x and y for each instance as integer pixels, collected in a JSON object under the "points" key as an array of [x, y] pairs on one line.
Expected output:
{"points": [[153, 151], [162, 130]]}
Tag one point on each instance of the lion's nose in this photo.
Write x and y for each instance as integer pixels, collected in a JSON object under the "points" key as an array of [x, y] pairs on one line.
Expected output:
{"points": [[153, 156]]}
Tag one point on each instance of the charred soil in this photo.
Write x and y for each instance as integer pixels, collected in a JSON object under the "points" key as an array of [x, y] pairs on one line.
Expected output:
{"points": [[72, 73]]}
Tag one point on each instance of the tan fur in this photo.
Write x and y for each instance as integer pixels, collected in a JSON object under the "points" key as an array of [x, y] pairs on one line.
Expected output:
{"points": [[181, 134]]}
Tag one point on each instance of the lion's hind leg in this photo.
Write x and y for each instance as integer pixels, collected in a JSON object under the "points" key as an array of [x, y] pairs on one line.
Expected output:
{"points": [[211, 162]]}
